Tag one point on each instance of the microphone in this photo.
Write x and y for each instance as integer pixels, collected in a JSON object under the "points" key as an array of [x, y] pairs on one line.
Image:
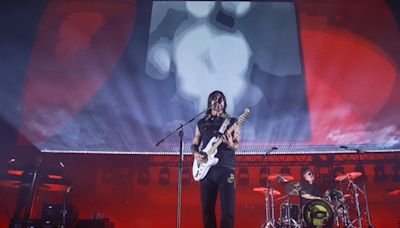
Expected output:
{"points": [[270, 150], [350, 148]]}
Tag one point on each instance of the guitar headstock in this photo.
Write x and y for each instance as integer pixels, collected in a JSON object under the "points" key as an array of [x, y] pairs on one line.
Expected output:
{"points": [[243, 117]]}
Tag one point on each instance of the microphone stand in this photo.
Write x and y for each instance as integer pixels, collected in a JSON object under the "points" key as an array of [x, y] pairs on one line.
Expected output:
{"points": [[269, 222], [180, 132], [64, 211], [32, 194], [33, 186]]}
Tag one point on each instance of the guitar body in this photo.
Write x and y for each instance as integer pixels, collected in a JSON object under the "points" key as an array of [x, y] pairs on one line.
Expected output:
{"points": [[200, 170]]}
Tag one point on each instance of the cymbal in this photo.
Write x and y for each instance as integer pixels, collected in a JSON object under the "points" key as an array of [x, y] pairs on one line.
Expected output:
{"points": [[293, 188], [350, 176], [264, 190], [53, 187], [280, 178], [394, 192]]}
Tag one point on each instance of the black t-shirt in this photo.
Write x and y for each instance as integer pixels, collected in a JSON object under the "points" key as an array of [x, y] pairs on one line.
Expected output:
{"points": [[209, 127], [307, 188]]}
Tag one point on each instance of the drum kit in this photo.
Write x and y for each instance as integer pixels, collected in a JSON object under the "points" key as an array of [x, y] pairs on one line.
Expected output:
{"points": [[333, 209]]}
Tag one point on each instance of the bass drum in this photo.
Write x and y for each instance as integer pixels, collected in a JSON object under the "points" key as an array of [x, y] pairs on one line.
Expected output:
{"points": [[318, 213]]}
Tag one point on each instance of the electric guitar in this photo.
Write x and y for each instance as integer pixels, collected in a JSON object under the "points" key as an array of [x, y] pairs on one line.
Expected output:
{"points": [[200, 170]]}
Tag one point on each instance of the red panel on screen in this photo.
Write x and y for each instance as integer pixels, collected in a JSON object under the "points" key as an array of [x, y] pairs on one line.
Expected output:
{"points": [[77, 47], [335, 62]]}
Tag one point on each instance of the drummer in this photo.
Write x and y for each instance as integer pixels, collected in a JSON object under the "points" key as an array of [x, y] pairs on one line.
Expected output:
{"points": [[309, 189]]}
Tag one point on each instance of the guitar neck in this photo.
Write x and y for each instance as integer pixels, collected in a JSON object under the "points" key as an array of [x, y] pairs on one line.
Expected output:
{"points": [[240, 121]]}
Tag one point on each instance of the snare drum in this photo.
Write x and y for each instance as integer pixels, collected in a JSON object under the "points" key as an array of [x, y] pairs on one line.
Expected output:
{"points": [[318, 213]]}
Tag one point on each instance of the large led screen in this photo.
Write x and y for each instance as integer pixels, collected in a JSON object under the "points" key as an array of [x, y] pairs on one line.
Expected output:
{"points": [[117, 77]]}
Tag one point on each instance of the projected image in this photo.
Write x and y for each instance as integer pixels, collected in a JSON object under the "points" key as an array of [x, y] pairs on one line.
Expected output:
{"points": [[250, 51]]}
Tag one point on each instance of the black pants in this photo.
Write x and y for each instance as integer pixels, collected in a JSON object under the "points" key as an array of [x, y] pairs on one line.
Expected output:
{"points": [[218, 180]]}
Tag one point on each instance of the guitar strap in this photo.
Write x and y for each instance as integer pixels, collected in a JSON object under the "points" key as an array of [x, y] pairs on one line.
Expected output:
{"points": [[224, 125]]}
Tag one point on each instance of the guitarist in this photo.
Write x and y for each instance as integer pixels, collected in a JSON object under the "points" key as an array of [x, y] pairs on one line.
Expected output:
{"points": [[221, 177]]}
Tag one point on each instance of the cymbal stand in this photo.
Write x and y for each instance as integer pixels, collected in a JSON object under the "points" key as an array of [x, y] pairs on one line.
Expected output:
{"points": [[288, 215], [356, 193], [336, 214], [345, 217], [370, 225], [272, 207], [359, 152], [269, 220]]}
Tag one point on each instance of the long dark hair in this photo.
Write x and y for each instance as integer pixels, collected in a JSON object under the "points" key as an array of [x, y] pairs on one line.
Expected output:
{"points": [[215, 96]]}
